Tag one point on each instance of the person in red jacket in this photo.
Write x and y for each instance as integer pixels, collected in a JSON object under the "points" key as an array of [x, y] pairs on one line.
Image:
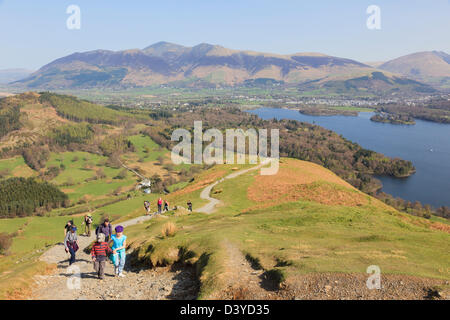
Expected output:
{"points": [[160, 203], [100, 251]]}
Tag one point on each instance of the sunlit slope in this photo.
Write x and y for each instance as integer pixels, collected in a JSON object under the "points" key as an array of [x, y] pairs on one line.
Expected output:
{"points": [[304, 219], [29, 117]]}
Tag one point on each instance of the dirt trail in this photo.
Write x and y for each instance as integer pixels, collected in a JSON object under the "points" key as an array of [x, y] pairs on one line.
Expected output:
{"points": [[80, 282], [206, 192], [243, 282]]}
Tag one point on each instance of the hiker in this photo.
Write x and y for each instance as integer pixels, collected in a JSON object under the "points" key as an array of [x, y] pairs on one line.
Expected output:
{"points": [[147, 207], [189, 204], [67, 227], [160, 202], [71, 243], [87, 224], [106, 229], [166, 206], [119, 241], [99, 252]]}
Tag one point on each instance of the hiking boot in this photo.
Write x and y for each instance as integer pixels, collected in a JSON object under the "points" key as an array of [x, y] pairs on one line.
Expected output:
{"points": [[121, 275]]}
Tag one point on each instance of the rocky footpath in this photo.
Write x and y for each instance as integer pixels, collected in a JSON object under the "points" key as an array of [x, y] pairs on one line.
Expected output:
{"points": [[80, 282]]}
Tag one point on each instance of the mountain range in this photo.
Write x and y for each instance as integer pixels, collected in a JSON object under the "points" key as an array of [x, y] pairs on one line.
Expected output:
{"points": [[207, 65], [430, 66]]}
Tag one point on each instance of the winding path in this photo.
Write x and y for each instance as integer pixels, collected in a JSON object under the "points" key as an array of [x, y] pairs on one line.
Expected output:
{"points": [[79, 282], [206, 192]]}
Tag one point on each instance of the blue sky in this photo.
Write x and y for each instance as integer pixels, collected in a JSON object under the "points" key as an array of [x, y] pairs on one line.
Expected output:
{"points": [[34, 33]]}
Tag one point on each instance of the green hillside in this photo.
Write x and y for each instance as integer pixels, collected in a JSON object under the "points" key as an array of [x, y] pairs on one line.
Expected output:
{"points": [[296, 232], [303, 221]]}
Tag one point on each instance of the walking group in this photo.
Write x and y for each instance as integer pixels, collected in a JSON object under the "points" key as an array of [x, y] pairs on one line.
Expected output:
{"points": [[107, 245], [160, 204]]}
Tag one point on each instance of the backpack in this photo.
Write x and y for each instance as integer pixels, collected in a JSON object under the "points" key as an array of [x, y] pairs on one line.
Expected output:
{"points": [[89, 220]]}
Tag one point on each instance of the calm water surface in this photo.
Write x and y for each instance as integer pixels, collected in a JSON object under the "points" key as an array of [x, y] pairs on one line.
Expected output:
{"points": [[426, 144]]}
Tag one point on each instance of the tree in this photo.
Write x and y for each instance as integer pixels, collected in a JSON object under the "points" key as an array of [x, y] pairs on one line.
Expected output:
{"points": [[25, 196]]}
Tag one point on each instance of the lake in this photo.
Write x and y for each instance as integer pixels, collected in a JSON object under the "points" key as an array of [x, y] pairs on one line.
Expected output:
{"points": [[426, 144]]}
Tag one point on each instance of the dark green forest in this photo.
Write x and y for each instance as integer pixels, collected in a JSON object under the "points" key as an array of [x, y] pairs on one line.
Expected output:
{"points": [[9, 120], [26, 196], [78, 110], [72, 133]]}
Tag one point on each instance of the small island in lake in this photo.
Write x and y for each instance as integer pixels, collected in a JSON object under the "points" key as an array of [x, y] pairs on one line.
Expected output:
{"points": [[385, 117], [322, 110]]}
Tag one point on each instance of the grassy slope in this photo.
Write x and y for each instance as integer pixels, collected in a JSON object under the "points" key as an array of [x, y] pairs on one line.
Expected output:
{"points": [[16, 167], [297, 237], [142, 142], [80, 166], [304, 236]]}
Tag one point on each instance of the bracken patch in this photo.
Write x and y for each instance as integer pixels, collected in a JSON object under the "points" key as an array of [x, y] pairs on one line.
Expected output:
{"points": [[299, 180]]}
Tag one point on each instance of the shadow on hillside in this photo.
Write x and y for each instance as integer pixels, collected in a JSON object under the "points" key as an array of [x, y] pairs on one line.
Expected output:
{"points": [[268, 284], [187, 285]]}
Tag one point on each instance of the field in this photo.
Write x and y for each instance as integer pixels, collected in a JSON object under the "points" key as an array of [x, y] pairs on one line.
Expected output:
{"points": [[15, 167]]}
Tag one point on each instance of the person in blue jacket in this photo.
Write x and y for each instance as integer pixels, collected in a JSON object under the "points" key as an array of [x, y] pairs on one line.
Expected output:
{"points": [[119, 244]]}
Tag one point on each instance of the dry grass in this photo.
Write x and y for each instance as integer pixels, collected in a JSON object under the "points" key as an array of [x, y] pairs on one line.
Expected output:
{"points": [[300, 180], [426, 223], [169, 229], [181, 211], [440, 226], [17, 282], [5, 242]]}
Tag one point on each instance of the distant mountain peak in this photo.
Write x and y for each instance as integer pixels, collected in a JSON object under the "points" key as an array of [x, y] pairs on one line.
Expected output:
{"points": [[425, 65], [164, 45], [164, 48], [204, 46], [204, 65]]}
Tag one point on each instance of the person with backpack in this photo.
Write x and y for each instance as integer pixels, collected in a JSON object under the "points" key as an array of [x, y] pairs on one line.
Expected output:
{"points": [[67, 227], [106, 229], [160, 202], [71, 243], [87, 224], [100, 250], [147, 207], [119, 244], [166, 206], [189, 204]]}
